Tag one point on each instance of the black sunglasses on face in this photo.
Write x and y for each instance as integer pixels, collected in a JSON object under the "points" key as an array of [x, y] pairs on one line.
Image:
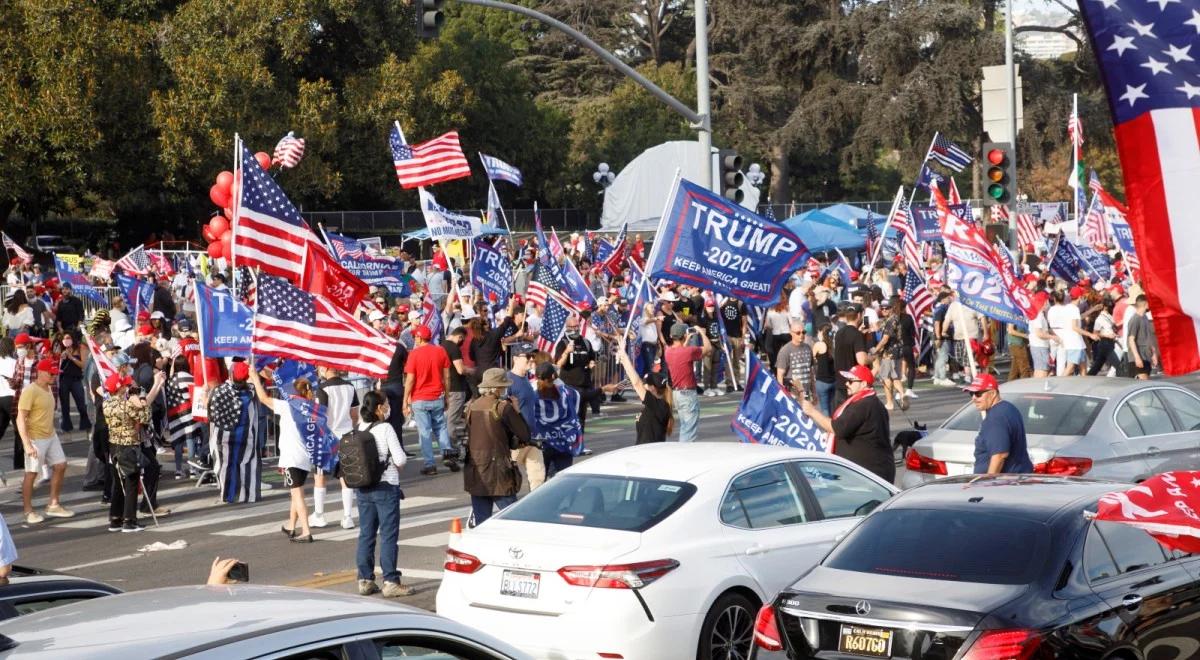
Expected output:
{"points": [[976, 395]]}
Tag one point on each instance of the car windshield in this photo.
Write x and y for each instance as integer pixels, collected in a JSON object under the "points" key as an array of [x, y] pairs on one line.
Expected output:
{"points": [[603, 501], [1044, 414], [948, 545]]}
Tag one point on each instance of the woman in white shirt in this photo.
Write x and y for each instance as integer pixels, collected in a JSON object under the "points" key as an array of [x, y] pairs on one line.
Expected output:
{"points": [[1064, 320], [648, 334], [379, 506], [19, 316], [1040, 338], [1104, 352], [293, 457]]}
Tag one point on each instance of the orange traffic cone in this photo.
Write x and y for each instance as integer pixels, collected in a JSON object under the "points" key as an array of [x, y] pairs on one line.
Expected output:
{"points": [[455, 530]]}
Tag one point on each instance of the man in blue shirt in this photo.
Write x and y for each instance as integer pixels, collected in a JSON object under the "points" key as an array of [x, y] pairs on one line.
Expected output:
{"points": [[521, 391], [1000, 446]]}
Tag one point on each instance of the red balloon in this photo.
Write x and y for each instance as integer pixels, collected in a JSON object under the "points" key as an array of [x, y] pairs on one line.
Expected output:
{"points": [[207, 233], [225, 179], [264, 160], [216, 250], [218, 225], [218, 196], [226, 235], [228, 212]]}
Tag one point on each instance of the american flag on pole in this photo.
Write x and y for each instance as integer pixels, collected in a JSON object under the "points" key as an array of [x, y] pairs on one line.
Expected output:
{"points": [[268, 232], [136, 261], [916, 295], [1094, 183], [289, 150], [103, 364], [424, 164], [1027, 232], [554, 325], [949, 154], [911, 250], [900, 219], [543, 287], [293, 324], [872, 234], [9, 244], [1095, 227], [1153, 84]]}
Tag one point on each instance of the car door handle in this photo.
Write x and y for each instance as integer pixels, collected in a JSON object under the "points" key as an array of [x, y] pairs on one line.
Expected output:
{"points": [[1131, 602], [757, 549], [1152, 451]]}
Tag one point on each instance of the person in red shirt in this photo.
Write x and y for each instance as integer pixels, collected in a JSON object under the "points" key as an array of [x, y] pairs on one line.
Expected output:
{"points": [[681, 362], [426, 373]]}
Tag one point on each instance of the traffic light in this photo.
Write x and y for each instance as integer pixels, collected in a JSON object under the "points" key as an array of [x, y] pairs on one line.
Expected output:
{"points": [[1001, 174], [730, 182], [429, 17]]}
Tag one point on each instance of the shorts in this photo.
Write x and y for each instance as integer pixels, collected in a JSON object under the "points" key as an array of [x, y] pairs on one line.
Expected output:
{"points": [[1133, 369], [294, 478], [889, 369], [1041, 358], [1076, 356], [49, 451]]}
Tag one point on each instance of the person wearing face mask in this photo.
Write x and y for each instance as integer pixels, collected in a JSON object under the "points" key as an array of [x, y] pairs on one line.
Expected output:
{"points": [[576, 360], [379, 506], [23, 374], [522, 392], [71, 357]]}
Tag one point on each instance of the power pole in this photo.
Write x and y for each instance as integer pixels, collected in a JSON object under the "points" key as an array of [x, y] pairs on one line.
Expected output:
{"points": [[703, 103]]}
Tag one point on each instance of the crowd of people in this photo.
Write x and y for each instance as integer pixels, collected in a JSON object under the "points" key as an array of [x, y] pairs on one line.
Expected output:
{"points": [[486, 395]]}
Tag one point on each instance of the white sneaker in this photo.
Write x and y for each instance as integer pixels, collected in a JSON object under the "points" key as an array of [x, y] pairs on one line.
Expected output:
{"points": [[910, 394], [347, 523], [410, 424], [316, 520]]}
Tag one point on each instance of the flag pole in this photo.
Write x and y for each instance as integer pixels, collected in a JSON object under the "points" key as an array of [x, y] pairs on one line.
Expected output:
{"points": [[237, 205], [1076, 146], [654, 249], [887, 224]]}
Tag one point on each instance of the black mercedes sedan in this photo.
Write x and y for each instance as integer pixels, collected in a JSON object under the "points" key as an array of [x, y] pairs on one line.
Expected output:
{"points": [[991, 568]]}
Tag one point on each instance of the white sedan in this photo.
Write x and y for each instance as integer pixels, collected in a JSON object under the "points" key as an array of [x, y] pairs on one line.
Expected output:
{"points": [[656, 551]]}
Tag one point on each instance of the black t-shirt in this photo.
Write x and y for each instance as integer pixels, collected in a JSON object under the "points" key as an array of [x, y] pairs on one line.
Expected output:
{"points": [[164, 302], [668, 321], [652, 421], [70, 312], [823, 313], [709, 323], [862, 436], [731, 313], [846, 342], [458, 383], [395, 375], [487, 349], [908, 330], [575, 371]]}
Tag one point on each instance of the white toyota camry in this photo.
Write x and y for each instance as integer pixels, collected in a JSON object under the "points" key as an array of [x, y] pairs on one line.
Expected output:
{"points": [[657, 551]]}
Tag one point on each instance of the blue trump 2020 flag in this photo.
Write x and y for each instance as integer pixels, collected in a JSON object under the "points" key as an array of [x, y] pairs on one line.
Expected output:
{"points": [[224, 324], [78, 281], [378, 271], [498, 170], [138, 294], [770, 416], [711, 242], [491, 272], [319, 442]]}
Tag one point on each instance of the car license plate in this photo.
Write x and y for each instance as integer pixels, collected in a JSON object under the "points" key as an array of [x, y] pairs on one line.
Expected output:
{"points": [[869, 642], [520, 584]]}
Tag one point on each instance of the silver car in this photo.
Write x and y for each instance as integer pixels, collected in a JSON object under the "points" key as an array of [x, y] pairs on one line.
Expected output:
{"points": [[1106, 428], [244, 621]]}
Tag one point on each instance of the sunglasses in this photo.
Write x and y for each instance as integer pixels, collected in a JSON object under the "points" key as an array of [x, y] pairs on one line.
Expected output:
{"points": [[976, 395]]}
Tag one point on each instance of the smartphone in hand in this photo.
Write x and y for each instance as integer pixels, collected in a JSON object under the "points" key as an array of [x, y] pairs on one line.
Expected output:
{"points": [[240, 572]]}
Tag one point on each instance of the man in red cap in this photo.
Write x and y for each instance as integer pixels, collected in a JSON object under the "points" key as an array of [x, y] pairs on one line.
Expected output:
{"points": [[35, 421], [859, 425], [1000, 446], [426, 374]]}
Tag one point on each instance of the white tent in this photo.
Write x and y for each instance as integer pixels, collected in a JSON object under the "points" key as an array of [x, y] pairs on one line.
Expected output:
{"points": [[639, 192]]}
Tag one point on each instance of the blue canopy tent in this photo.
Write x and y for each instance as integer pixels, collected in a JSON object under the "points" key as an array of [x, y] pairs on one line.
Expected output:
{"points": [[822, 233], [851, 215]]}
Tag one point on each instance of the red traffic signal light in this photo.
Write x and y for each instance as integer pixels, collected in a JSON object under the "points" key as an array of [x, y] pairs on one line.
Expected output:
{"points": [[996, 156], [1000, 170]]}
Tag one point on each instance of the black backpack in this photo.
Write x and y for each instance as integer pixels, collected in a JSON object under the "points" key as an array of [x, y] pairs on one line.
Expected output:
{"points": [[358, 457]]}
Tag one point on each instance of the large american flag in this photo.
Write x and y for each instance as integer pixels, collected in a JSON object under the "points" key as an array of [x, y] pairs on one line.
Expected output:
{"points": [[949, 154], [1153, 84], [289, 150], [1027, 232], [136, 261], [1095, 227], [427, 163], [916, 296], [297, 325], [104, 365], [22, 255], [268, 232]]}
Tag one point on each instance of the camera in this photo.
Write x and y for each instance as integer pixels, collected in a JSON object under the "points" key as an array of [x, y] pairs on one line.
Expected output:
{"points": [[240, 572]]}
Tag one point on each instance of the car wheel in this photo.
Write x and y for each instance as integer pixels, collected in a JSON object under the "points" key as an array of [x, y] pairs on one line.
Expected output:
{"points": [[728, 630]]}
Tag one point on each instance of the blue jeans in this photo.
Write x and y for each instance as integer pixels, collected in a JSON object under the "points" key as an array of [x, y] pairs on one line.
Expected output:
{"points": [[687, 410], [825, 396], [431, 419], [69, 387], [648, 353], [481, 505], [941, 362], [378, 518]]}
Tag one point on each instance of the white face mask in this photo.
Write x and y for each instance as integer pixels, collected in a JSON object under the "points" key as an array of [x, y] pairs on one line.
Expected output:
{"points": [[21, 352], [67, 343]]}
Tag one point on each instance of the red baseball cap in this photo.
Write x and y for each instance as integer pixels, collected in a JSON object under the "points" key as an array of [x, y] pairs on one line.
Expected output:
{"points": [[1075, 292], [860, 372], [22, 338], [145, 330], [403, 309], [115, 382], [982, 383], [46, 364], [240, 371], [422, 332]]}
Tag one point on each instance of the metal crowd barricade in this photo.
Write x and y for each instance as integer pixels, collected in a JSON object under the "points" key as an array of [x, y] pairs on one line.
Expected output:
{"points": [[90, 305]]}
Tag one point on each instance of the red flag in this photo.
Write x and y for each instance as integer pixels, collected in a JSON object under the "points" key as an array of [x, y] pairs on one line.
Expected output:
{"points": [[1165, 506], [638, 255], [325, 277]]}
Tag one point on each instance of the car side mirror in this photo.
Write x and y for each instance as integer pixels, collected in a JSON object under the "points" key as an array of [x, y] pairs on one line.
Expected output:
{"points": [[867, 507]]}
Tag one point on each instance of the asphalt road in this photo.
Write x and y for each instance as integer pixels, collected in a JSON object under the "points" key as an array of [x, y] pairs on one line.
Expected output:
{"points": [[250, 532]]}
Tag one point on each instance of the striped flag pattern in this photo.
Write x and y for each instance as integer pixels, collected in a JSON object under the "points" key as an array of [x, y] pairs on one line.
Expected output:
{"points": [[9, 244], [180, 423], [424, 164], [268, 232], [1095, 228], [103, 364], [289, 150], [136, 261], [294, 324], [916, 295], [949, 154]]}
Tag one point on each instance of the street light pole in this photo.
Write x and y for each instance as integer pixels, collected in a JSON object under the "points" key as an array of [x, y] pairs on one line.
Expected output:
{"points": [[703, 102], [1010, 68]]}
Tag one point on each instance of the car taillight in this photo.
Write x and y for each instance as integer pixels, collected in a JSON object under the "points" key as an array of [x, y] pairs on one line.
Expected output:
{"points": [[461, 562], [1064, 465], [1005, 645], [915, 461], [618, 576], [766, 633]]}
